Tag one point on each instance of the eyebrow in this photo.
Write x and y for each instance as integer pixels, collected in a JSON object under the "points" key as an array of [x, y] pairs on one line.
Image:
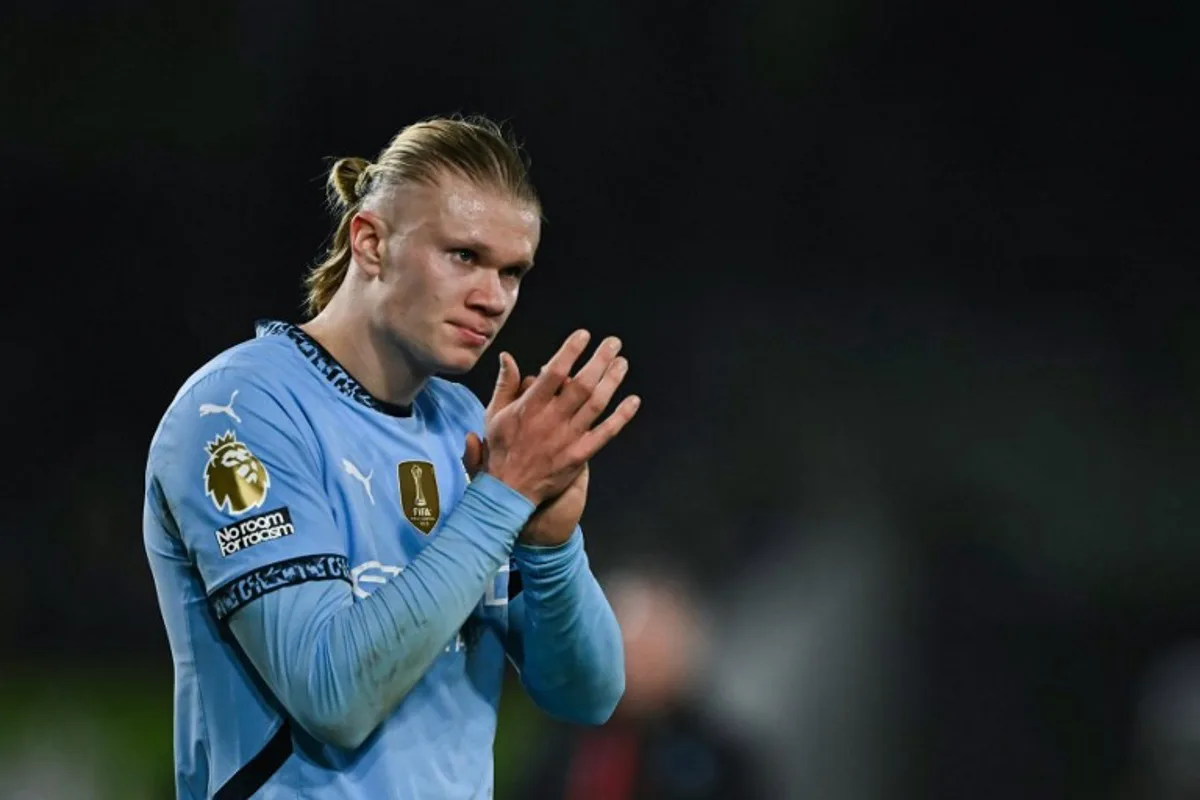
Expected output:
{"points": [[487, 252]]}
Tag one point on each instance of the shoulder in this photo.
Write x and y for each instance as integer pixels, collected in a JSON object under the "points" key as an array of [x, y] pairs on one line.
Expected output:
{"points": [[262, 366], [250, 378], [264, 362]]}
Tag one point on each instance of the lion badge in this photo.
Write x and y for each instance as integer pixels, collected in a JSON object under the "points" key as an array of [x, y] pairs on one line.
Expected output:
{"points": [[234, 478]]}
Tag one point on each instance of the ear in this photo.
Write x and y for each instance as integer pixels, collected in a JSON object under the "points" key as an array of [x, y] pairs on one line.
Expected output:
{"points": [[367, 235]]}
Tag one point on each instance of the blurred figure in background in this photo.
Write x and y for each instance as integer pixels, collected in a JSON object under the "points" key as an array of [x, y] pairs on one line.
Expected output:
{"points": [[661, 742], [820, 657]]}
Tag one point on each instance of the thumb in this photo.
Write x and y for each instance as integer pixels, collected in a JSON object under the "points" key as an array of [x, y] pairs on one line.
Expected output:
{"points": [[508, 384], [473, 454]]}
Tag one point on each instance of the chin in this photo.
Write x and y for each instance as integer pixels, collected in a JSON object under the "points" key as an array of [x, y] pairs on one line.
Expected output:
{"points": [[457, 363]]}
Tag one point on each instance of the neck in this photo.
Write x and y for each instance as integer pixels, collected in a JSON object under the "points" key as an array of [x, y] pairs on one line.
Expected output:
{"points": [[382, 369]]}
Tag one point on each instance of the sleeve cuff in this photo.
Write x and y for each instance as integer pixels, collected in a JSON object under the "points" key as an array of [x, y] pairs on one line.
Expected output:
{"points": [[534, 559], [507, 503]]}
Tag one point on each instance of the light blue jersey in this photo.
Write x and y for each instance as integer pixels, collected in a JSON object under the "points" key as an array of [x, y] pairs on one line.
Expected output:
{"points": [[336, 591]]}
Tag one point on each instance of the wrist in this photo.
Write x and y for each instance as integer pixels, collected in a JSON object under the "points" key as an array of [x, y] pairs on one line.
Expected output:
{"points": [[533, 552], [534, 541], [514, 485], [548, 526]]}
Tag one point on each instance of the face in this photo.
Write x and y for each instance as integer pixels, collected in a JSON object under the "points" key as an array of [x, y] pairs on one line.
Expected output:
{"points": [[657, 631], [444, 266]]}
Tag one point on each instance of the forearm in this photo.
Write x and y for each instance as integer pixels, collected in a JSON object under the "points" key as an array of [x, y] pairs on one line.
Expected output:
{"points": [[570, 653], [340, 667]]}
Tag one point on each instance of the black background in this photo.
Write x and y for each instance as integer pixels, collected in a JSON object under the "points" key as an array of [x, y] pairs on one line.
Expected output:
{"points": [[932, 259]]}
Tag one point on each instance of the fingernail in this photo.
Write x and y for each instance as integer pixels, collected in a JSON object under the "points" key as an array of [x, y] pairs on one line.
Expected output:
{"points": [[581, 336], [614, 344], [635, 402]]}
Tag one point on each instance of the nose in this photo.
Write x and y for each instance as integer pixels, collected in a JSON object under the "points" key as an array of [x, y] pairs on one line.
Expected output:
{"points": [[488, 296]]}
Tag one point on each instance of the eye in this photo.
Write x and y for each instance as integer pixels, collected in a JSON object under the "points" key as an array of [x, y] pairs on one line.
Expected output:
{"points": [[513, 273], [465, 254]]}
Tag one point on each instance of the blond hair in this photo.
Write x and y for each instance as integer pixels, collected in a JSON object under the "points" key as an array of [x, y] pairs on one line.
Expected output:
{"points": [[473, 147]]}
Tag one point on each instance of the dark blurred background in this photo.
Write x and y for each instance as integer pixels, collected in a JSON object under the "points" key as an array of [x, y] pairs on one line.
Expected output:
{"points": [[908, 289]]}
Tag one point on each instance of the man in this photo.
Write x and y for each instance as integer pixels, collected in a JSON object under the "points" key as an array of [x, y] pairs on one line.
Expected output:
{"points": [[335, 586]]}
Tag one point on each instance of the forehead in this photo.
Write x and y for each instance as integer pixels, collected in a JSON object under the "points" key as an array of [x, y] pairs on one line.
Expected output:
{"points": [[458, 208]]}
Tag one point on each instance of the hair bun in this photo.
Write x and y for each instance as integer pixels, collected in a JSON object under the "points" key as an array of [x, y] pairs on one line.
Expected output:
{"points": [[346, 180]]}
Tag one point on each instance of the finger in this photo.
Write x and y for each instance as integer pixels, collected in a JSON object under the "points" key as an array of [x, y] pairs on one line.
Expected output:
{"points": [[594, 405], [508, 383], [473, 454], [580, 387], [526, 382], [558, 368], [595, 439]]}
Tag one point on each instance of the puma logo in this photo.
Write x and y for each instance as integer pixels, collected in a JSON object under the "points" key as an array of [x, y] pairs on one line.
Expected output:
{"points": [[365, 480], [227, 410]]}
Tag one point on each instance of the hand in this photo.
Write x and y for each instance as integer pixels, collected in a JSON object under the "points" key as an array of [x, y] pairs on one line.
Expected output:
{"points": [[555, 519], [539, 436]]}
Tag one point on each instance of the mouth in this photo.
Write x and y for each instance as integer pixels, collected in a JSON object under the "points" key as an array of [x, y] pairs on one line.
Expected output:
{"points": [[470, 335]]}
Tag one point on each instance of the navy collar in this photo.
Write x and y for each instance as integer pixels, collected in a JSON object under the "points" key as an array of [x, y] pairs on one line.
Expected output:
{"points": [[327, 365]]}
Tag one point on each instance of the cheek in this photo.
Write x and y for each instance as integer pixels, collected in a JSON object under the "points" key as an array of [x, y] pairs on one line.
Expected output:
{"points": [[410, 290], [511, 304], [396, 303], [433, 284]]}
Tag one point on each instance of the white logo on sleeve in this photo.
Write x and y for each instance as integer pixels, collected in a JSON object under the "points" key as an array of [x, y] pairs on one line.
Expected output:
{"points": [[496, 593], [255, 530], [227, 410], [365, 480], [371, 572]]}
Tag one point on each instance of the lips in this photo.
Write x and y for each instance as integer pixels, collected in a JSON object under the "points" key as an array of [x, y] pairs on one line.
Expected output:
{"points": [[473, 333]]}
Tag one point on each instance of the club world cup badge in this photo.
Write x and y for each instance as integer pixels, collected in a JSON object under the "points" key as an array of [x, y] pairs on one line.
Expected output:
{"points": [[419, 494], [234, 479]]}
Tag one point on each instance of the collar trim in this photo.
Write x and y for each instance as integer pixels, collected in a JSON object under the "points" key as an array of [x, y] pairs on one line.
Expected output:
{"points": [[328, 366]]}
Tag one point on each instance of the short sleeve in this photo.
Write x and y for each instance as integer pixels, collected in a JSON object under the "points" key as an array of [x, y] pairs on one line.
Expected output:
{"points": [[240, 478]]}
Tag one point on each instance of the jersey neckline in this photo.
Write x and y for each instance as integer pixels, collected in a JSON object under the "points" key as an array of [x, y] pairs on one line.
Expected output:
{"points": [[328, 366]]}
